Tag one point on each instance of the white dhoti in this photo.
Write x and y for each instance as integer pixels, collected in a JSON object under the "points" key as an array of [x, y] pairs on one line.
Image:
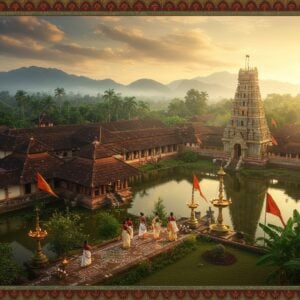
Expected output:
{"points": [[126, 239], [173, 229], [156, 230], [131, 231], [86, 258], [142, 230]]}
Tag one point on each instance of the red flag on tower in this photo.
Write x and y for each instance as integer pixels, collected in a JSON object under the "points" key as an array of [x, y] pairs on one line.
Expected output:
{"points": [[272, 208], [196, 186], [43, 185], [273, 122], [274, 142]]}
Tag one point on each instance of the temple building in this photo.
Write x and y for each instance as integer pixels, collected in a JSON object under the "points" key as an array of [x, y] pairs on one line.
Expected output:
{"points": [[88, 164], [247, 136]]}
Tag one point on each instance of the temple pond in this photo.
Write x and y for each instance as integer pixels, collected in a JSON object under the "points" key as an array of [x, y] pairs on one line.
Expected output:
{"points": [[174, 186]]}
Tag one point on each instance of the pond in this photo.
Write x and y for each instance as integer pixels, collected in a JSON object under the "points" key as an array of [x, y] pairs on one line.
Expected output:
{"points": [[175, 188]]}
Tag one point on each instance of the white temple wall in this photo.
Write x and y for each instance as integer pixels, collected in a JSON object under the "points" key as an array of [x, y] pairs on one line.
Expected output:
{"points": [[14, 191]]}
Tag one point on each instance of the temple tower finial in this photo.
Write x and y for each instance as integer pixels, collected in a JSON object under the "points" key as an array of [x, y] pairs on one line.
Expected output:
{"points": [[247, 62]]}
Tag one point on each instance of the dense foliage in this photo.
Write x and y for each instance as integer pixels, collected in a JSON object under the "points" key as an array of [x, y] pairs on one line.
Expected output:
{"points": [[108, 226], [65, 232], [188, 156], [283, 250], [24, 109], [9, 270]]}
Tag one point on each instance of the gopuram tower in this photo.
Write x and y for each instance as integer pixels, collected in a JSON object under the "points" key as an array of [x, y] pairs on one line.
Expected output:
{"points": [[247, 135]]}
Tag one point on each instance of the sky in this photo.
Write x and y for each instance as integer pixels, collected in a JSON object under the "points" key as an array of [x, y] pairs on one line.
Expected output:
{"points": [[161, 48]]}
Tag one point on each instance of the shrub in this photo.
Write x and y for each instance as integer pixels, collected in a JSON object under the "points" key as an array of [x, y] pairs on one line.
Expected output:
{"points": [[9, 270], [65, 232], [188, 156], [109, 226], [160, 209]]}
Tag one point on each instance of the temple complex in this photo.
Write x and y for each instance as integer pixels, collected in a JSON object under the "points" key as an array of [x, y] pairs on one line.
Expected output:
{"points": [[88, 164], [247, 135]]}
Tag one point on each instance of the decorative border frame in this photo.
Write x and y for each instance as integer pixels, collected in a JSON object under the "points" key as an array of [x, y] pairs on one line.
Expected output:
{"points": [[150, 7], [134, 293], [156, 8]]}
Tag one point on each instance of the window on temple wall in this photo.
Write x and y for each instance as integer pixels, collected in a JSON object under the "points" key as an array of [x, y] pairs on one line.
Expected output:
{"points": [[142, 153], [97, 192], [243, 103], [243, 113], [27, 188], [232, 122], [244, 95], [127, 156], [149, 152], [242, 123]]}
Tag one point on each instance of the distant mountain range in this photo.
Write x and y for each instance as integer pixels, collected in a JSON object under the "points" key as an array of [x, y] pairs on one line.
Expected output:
{"points": [[218, 85]]}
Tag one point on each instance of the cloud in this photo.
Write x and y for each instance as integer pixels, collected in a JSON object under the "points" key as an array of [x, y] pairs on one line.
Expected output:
{"points": [[30, 27], [189, 46]]}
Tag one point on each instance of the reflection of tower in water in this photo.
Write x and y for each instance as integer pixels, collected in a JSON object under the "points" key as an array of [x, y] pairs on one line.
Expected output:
{"points": [[247, 195]]}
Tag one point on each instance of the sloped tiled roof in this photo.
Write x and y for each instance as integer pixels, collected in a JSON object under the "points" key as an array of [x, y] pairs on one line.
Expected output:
{"points": [[93, 173]]}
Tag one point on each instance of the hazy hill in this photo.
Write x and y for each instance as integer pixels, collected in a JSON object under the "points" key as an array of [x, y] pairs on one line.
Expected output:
{"points": [[217, 85]]}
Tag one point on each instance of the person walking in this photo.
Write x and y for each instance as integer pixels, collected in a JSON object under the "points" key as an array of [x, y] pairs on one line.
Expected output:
{"points": [[142, 227], [156, 225], [86, 258], [172, 228], [130, 226], [126, 240]]}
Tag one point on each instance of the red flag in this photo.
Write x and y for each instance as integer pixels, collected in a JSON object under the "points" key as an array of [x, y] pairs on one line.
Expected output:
{"points": [[273, 122], [196, 186], [274, 142], [43, 185], [272, 208]]}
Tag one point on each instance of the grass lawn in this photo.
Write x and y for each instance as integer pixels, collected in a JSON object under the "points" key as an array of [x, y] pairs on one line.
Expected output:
{"points": [[187, 270], [201, 164]]}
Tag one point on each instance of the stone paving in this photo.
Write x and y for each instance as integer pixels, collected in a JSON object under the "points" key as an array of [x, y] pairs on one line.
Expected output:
{"points": [[108, 261]]}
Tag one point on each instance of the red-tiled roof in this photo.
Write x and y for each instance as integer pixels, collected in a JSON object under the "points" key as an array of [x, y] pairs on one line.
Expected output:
{"points": [[93, 173]]}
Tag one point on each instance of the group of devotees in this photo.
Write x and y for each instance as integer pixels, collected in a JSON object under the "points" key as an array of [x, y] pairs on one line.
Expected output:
{"points": [[127, 234]]}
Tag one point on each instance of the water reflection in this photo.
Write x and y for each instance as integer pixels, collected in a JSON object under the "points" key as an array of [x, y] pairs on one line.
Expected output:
{"points": [[247, 195]]}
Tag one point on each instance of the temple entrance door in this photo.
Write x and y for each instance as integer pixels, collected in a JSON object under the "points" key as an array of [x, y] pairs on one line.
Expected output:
{"points": [[237, 151]]}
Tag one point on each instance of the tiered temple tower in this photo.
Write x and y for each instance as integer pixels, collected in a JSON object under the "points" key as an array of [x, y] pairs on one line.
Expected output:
{"points": [[247, 135]]}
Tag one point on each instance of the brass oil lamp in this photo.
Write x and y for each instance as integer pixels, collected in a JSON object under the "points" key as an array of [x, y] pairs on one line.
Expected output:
{"points": [[39, 260], [193, 222], [219, 228]]}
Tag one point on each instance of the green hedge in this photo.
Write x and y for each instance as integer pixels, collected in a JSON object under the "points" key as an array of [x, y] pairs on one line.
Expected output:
{"points": [[159, 262]]}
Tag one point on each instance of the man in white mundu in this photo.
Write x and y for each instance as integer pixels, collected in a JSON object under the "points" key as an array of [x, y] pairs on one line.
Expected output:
{"points": [[143, 227], [156, 225], [172, 228], [86, 258], [126, 240]]}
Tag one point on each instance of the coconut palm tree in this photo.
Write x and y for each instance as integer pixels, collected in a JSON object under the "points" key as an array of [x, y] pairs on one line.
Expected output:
{"points": [[130, 106], [58, 94]]}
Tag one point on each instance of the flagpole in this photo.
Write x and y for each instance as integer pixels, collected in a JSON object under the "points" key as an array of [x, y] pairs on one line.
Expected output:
{"points": [[265, 220]]}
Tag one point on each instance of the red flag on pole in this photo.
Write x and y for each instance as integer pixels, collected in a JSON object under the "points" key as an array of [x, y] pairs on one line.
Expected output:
{"points": [[274, 142], [272, 208], [196, 186], [43, 185], [273, 122]]}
